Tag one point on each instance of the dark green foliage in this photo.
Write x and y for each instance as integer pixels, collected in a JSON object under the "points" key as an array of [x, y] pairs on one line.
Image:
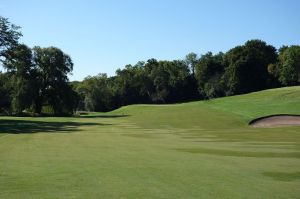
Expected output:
{"points": [[170, 80], [9, 35], [247, 67], [37, 78], [287, 69], [19, 64], [150, 82], [209, 71], [95, 93], [242, 69], [178, 80], [5, 93], [52, 66], [191, 60], [132, 85]]}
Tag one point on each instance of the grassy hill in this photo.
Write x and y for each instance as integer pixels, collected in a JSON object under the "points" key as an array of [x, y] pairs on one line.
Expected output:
{"points": [[242, 108], [201, 149], [273, 101]]}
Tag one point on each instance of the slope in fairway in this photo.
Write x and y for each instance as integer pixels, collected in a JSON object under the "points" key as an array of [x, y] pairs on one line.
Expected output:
{"points": [[190, 150]]}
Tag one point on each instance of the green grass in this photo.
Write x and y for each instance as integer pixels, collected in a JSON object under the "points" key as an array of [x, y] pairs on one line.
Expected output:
{"points": [[200, 149]]}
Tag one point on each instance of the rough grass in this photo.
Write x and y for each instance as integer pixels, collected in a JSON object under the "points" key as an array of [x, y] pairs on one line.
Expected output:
{"points": [[191, 150]]}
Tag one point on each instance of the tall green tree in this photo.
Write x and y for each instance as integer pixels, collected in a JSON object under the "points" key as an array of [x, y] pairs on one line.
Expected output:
{"points": [[170, 80], [191, 60], [209, 71], [9, 35], [247, 67], [18, 63], [287, 69], [132, 84], [97, 93], [52, 67]]}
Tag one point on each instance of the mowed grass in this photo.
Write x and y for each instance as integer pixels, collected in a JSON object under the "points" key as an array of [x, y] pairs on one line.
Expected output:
{"points": [[200, 149]]}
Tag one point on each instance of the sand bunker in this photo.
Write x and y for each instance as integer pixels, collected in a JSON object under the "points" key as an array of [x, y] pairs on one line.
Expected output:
{"points": [[276, 121]]}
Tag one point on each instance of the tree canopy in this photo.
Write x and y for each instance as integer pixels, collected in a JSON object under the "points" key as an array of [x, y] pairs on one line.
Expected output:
{"points": [[9, 35], [246, 67], [287, 69], [35, 78]]}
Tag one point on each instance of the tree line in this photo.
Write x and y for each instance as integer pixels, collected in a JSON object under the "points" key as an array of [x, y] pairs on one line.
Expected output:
{"points": [[253, 66], [35, 80]]}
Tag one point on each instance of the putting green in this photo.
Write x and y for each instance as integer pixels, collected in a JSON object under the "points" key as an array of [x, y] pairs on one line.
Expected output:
{"points": [[201, 149]]}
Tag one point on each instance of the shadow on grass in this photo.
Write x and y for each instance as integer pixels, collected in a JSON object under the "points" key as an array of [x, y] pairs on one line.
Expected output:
{"points": [[26, 126], [103, 116], [253, 154], [281, 176]]}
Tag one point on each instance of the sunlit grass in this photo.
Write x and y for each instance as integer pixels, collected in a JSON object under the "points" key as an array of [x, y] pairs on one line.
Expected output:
{"points": [[190, 150]]}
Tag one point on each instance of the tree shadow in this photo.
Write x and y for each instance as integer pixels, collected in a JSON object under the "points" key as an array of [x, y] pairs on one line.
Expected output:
{"points": [[103, 116], [26, 126]]}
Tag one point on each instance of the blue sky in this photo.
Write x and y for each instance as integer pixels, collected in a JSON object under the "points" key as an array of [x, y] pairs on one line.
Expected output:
{"points": [[102, 36]]}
